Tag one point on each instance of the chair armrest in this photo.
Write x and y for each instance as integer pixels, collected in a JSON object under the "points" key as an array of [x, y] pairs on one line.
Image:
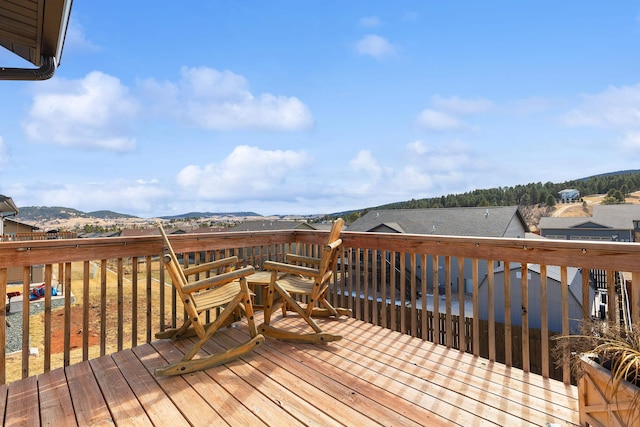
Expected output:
{"points": [[334, 244], [290, 268], [302, 259], [200, 268], [218, 280]]}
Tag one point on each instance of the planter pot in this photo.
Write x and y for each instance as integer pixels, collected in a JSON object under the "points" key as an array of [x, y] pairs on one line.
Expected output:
{"points": [[598, 405]]}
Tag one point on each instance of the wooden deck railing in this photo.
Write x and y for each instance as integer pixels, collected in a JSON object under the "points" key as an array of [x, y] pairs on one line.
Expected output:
{"points": [[114, 294]]}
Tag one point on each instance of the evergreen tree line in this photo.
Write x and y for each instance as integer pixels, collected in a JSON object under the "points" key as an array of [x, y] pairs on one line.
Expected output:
{"points": [[616, 186]]}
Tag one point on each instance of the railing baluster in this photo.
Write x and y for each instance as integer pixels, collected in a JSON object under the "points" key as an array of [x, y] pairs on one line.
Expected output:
{"points": [[67, 313], [611, 297], [383, 288], [491, 311], [508, 355], [403, 292], [48, 275], [635, 297], [564, 283], [414, 314], [103, 307], [462, 340], [448, 319], [423, 291], [357, 277], [544, 321], [85, 310], [476, 308], [134, 302], [392, 291], [436, 300], [26, 289], [149, 301], [120, 282], [374, 287], [365, 285]]}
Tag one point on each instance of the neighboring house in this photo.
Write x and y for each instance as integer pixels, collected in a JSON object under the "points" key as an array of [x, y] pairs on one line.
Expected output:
{"points": [[569, 195], [554, 296], [495, 221], [11, 230], [608, 222]]}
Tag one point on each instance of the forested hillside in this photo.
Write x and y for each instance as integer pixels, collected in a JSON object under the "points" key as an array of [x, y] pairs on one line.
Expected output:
{"points": [[615, 185]]}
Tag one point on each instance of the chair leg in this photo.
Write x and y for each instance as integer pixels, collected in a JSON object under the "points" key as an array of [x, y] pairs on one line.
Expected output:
{"points": [[175, 332], [318, 336], [330, 310]]}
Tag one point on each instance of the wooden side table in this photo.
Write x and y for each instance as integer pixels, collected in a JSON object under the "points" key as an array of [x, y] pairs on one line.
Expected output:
{"points": [[258, 282]]}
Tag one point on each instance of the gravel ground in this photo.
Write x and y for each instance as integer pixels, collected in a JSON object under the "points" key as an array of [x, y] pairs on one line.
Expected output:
{"points": [[14, 323]]}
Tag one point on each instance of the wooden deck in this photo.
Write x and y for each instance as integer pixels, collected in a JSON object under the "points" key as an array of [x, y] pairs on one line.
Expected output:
{"points": [[372, 376]]}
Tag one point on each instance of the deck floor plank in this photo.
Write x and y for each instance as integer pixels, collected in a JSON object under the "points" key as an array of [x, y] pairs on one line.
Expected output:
{"points": [[119, 397], [22, 403], [3, 399], [481, 394], [229, 408], [88, 403], [179, 391], [544, 395], [158, 406], [56, 408], [249, 394], [381, 387], [316, 396], [372, 376]]}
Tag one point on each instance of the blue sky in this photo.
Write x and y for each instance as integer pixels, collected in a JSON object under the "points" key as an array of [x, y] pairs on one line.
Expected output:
{"points": [[305, 107]]}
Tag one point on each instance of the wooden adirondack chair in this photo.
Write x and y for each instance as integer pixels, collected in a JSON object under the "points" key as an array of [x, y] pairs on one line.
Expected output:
{"points": [[308, 277], [227, 290]]}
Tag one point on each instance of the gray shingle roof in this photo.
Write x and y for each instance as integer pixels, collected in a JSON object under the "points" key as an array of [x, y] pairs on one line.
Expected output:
{"points": [[264, 225], [610, 216], [472, 222]]}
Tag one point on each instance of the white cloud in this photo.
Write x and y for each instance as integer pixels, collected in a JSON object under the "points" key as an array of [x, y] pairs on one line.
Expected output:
{"points": [[93, 112], [375, 46], [221, 100], [417, 147], [248, 171], [116, 195], [76, 38], [457, 105], [4, 154], [370, 21], [439, 121], [364, 161], [631, 141], [616, 107]]}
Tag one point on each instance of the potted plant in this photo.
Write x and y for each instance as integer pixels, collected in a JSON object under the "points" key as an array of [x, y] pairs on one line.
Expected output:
{"points": [[606, 360]]}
